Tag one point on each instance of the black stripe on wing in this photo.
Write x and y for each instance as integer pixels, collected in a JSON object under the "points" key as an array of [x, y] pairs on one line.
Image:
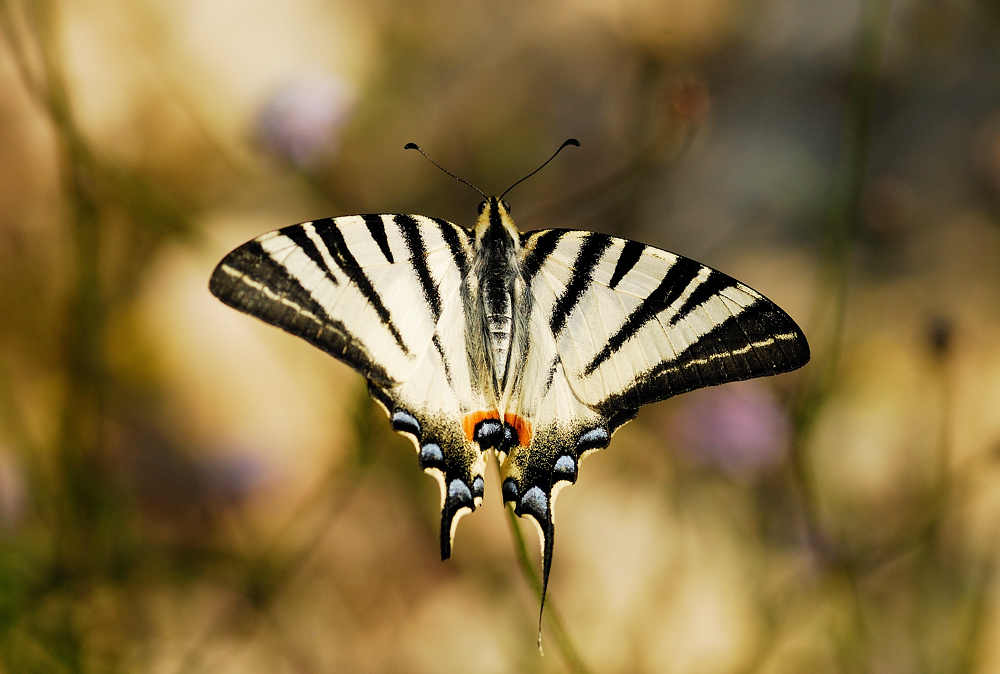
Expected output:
{"points": [[453, 237], [251, 281], [589, 255], [674, 283], [376, 227], [341, 253], [706, 290], [631, 252], [542, 246], [418, 258], [761, 340], [297, 234]]}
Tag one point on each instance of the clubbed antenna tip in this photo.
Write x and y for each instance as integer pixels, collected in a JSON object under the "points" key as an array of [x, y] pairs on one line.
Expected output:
{"points": [[570, 141]]}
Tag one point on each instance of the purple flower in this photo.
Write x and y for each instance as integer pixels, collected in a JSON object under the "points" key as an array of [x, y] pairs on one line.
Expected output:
{"points": [[230, 479], [300, 121], [741, 428]]}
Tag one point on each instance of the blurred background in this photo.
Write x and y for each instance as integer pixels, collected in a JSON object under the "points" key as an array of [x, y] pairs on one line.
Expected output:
{"points": [[184, 489]]}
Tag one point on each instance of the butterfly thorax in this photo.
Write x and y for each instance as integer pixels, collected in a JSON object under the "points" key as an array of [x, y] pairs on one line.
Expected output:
{"points": [[494, 299]]}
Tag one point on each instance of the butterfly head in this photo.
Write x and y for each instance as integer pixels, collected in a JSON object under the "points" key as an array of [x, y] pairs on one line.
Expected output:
{"points": [[494, 222]]}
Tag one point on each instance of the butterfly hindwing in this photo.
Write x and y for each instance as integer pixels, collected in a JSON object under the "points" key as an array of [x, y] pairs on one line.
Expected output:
{"points": [[434, 407], [381, 293], [556, 430]]}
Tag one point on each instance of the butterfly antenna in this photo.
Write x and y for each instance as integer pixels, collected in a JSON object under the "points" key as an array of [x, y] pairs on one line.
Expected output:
{"points": [[571, 141], [414, 146]]}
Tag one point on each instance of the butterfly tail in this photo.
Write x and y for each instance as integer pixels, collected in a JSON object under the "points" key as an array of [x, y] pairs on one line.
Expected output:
{"points": [[447, 520], [548, 539]]}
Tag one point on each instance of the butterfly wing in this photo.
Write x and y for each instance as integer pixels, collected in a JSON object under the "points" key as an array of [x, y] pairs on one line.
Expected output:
{"points": [[615, 325], [381, 293], [634, 324]]}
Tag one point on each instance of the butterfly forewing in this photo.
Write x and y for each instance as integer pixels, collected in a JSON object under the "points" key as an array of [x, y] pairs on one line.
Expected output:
{"points": [[645, 324]]}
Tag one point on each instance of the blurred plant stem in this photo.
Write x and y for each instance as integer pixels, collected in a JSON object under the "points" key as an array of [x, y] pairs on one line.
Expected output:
{"points": [[84, 322], [840, 230], [844, 215], [276, 562], [77, 481], [84, 535], [72, 490], [923, 552], [851, 641]]}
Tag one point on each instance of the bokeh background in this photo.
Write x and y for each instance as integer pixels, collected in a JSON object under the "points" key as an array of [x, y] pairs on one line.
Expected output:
{"points": [[184, 489]]}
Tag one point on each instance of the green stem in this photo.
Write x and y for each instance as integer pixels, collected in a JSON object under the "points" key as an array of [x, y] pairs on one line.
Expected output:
{"points": [[840, 232], [844, 215], [839, 236], [77, 490]]}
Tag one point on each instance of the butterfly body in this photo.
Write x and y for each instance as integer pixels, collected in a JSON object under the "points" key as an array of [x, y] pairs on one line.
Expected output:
{"points": [[497, 302], [535, 346]]}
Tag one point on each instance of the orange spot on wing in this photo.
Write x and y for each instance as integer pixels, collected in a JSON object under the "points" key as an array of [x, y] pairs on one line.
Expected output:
{"points": [[470, 420], [522, 426]]}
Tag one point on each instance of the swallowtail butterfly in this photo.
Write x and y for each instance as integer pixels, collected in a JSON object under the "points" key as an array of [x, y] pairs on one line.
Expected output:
{"points": [[536, 345]]}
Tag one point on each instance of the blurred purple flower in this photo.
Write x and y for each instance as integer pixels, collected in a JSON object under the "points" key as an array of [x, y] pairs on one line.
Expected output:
{"points": [[229, 479], [741, 428], [300, 121]]}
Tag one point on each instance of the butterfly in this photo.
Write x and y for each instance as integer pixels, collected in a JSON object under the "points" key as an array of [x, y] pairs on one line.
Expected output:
{"points": [[536, 346]]}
